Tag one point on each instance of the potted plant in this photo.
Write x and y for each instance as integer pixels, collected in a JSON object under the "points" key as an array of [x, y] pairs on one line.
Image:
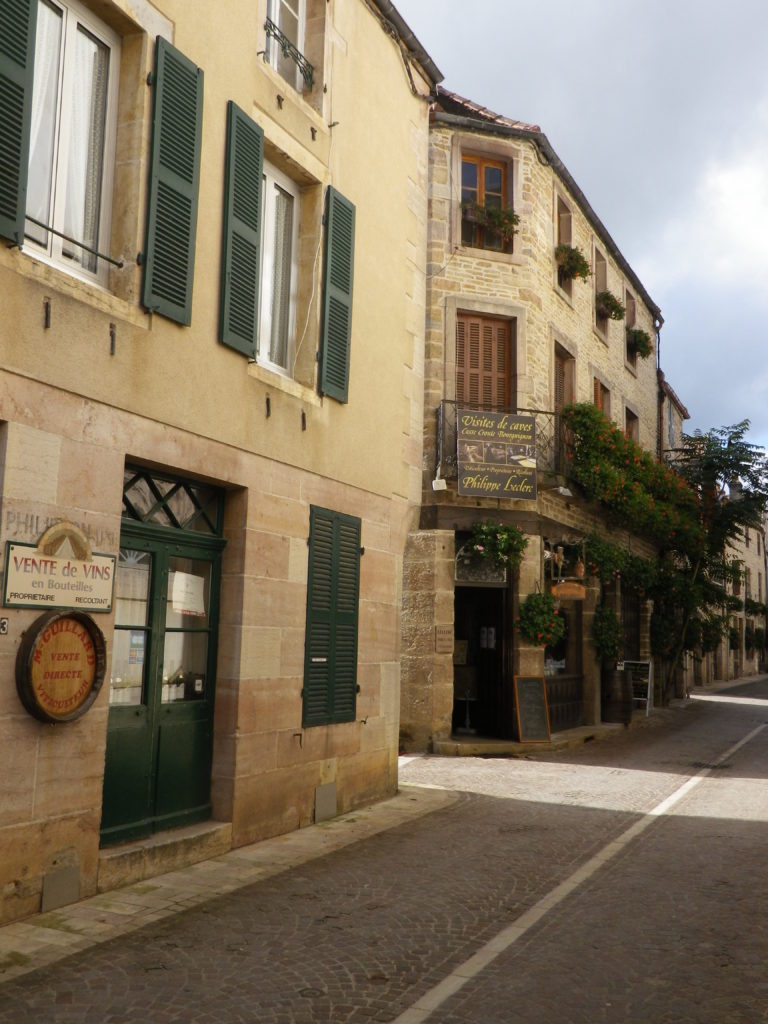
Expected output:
{"points": [[639, 342], [504, 544], [616, 686], [502, 221], [539, 621], [571, 262], [608, 307]]}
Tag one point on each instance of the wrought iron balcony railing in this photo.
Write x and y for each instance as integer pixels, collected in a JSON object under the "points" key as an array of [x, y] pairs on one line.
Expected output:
{"points": [[550, 439], [289, 52]]}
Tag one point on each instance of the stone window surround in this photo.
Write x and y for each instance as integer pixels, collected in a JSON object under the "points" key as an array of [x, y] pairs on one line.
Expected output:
{"points": [[630, 407], [570, 349], [630, 320], [134, 21], [560, 196], [486, 307], [596, 375], [496, 149], [313, 48], [598, 256]]}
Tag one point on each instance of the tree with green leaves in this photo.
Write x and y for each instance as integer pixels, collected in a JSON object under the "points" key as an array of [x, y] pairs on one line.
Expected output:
{"points": [[729, 475], [693, 511]]}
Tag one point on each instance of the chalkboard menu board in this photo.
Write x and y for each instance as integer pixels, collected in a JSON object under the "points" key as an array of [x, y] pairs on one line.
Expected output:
{"points": [[531, 709]]}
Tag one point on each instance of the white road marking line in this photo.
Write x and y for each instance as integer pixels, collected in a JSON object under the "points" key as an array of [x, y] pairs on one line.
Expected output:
{"points": [[453, 982]]}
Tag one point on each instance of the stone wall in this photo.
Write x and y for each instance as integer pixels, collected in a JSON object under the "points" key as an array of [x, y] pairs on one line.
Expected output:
{"points": [[426, 687]]}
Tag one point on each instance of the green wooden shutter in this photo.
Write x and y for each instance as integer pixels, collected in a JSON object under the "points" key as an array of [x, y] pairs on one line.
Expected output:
{"points": [[174, 179], [346, 609], [333, 584], [337, 295], [18, 20], [239, 299]]}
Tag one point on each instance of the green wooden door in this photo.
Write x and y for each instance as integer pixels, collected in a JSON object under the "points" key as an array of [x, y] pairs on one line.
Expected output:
{"points": [[162, 684]]}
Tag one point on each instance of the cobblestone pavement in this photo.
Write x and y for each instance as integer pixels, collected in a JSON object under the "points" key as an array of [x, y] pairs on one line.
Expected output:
{"points": [[563, 887]]}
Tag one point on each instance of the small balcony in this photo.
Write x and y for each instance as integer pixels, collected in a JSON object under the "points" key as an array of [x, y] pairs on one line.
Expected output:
{"points": [[550, 439], [285, 53]]}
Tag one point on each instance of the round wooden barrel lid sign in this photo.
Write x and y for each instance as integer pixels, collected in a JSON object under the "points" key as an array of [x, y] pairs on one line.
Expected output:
{"points": [[60, 666]]}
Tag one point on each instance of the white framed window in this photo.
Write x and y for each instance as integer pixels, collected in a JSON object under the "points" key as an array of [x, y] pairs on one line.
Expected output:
{"points": [[279, 270], [289, 17], [72, 138]]}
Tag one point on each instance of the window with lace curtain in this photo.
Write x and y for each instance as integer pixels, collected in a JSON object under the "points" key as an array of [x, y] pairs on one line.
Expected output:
{"points": [[72, 137]]}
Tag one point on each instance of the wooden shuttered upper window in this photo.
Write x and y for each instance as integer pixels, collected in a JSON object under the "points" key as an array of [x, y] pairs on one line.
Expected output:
{"points": [[18, 19], [338, 277], [333, 583], [559, 383], [174, 181], [484, 368], [602, 396], [239, 303]]}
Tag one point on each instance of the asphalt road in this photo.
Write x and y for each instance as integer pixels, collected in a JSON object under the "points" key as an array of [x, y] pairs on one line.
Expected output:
{"points": [[622, 881]]}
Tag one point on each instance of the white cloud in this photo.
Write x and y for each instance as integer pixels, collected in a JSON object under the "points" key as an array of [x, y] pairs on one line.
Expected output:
{"points": [[718, 235]]}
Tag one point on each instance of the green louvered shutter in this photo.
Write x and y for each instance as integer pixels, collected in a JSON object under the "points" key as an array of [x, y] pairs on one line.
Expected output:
{"points": [[239, 301], [337, 295], [174, 179], [18, 19], [346, 608], [330, 663]]}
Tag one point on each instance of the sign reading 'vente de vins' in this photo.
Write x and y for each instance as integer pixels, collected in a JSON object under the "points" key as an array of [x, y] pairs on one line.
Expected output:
{"points": [[37, 580], [496, 454]]}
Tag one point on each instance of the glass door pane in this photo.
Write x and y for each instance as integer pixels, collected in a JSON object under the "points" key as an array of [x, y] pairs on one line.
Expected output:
{"points": [[126, 684], [189, 586], [185, 660], [187, 609]]}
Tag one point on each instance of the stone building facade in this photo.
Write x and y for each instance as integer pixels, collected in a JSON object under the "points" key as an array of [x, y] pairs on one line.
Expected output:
{"points": [[212, 298], [508, 331]]}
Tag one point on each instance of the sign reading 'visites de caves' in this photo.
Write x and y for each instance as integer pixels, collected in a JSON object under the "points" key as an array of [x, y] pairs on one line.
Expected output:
{"points": [[496, 454]]}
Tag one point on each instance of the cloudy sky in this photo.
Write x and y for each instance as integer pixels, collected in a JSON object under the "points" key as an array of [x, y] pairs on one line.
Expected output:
{"points": [[659, 109]]}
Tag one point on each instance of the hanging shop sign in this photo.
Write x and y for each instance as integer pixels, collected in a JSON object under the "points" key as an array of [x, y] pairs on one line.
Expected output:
{"points": [[60, 666], [496, 454], [60, 571], [570, 590]]}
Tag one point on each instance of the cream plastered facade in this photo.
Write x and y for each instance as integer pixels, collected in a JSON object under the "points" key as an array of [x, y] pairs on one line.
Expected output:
{"points": [[521, 287], [90, 381]]}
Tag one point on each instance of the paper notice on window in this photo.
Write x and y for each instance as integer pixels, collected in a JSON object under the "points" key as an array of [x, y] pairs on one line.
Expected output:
{"points": [[188, 594]]}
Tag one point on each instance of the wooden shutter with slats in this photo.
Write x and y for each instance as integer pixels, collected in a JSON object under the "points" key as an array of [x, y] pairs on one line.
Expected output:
{"points": [[174, 180], [559, 383], [338, 274], [333, 584], [239, 299], [483, 362], [18, 19]]}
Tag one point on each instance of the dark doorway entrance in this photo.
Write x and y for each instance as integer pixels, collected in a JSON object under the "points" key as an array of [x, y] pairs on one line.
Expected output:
{"points": [[479, 658]]}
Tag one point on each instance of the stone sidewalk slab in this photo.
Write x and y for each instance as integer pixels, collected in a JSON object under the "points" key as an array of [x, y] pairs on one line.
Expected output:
{"points": [[45, 938]]}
